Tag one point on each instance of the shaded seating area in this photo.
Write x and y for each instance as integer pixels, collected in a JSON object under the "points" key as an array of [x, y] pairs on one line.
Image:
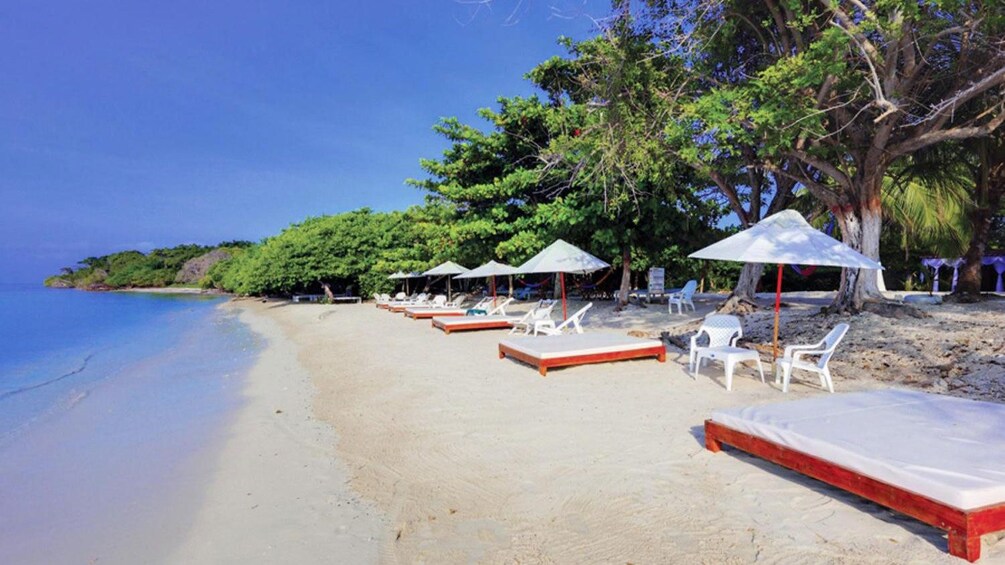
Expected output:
{"points": [[935, 458], [545, 352]]}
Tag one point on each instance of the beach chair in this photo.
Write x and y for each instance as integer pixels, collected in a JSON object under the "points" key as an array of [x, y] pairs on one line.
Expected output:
{"points": [[682, 297], [493, 319], [824, 348], [547, 327], [400, 306], [721, 329], [481, 307], [500, 310], [536, 314]]}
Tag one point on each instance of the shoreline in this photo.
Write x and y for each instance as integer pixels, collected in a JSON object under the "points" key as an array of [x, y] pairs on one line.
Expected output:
{"points": [[277, 491]]}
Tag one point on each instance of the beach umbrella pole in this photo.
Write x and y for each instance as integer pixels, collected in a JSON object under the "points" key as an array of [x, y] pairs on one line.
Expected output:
{"points": [[778, 308], [561, 279]]}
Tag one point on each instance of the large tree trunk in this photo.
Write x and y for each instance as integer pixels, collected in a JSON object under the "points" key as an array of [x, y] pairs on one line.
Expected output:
{"points": [[860, 229], [626, 277], [987, 201], [742, 299]]}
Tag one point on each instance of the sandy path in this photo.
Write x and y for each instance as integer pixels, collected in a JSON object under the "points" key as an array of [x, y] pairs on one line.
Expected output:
{"points": [[476, 459]]}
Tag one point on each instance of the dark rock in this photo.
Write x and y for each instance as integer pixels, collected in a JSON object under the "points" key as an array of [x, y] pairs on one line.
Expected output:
{"points": [[196, 268]]}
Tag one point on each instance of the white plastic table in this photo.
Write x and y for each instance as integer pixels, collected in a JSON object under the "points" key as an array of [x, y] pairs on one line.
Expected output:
{"points": [[729, 356]]}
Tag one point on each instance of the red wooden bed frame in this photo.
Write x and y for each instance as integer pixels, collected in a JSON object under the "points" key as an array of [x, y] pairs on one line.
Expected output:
{"points": [[474, 325], [657, 351], [965, 527], [420, 315]]}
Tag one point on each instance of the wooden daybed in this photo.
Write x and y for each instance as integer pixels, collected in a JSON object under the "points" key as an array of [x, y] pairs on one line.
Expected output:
{"points": [[472, 323], [545, 352], [427, 313], [935, 458]]}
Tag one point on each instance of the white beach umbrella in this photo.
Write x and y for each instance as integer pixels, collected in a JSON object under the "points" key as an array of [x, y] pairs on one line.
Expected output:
{"points": [[562, 257], [488, 270], [785, 238], [400, 275], [446, 268]]}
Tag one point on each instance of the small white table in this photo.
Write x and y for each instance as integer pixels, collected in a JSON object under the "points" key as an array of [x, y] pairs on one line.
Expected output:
{"points": [[729, 356]]}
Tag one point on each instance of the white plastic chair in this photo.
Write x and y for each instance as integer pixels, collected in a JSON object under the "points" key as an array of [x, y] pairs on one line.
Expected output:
{"points": [[500, 310], [825, 349], [439, 301], [540, 312], [547, 327], [682, 297], [484, 304], [721, 329], [458, 301]]}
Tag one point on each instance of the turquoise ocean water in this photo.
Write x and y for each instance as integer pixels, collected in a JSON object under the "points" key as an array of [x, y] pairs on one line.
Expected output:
{"points": [[111, 408]]}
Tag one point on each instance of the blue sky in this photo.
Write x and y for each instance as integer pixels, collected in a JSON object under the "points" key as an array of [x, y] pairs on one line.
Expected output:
{"points": [[132, 125]]}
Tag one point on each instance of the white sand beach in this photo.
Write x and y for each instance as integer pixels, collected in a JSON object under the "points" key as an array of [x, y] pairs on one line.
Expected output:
{"points": [[427, 448]]}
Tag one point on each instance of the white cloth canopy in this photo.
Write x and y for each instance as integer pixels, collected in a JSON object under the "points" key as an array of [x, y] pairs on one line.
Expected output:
{"points": [[398, 275], [446, 268], [562, 257], [490, 269], [786, 238]]}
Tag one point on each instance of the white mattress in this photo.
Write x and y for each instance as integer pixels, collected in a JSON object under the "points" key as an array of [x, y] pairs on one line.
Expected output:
{"points": [[463, 320], [435, 311], [948, 449], [551, 346]]}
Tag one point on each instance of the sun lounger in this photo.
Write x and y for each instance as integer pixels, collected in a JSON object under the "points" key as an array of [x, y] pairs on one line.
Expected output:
{"points": [[496, 319], [423, 301], [471, 323], [935, 458], [545, 352]]}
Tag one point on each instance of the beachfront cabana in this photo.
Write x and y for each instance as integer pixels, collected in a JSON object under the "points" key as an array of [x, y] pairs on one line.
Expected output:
{"points": [[446, 269], [562, 257], [994, 260], [785, 238], [490, 271], [401, 275]]}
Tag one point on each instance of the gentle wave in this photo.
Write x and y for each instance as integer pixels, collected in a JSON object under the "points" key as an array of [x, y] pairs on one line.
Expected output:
{"points": [[77, 371]]}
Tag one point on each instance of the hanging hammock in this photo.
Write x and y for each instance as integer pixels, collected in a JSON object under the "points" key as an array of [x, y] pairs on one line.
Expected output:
{"points": [[587, 285]]}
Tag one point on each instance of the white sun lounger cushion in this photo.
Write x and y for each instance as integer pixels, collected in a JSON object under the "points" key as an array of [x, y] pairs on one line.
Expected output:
{"points": [[467, 320], [951, 450], [436, 311], [550, 347]]}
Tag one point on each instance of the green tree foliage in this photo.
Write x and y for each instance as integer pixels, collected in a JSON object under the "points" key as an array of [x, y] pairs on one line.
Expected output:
{"points": [[129, 268], [834, 93], [324, 253]]}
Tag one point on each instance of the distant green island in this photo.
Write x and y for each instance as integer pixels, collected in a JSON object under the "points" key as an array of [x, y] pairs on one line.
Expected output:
{"points": [[182, 265]]}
